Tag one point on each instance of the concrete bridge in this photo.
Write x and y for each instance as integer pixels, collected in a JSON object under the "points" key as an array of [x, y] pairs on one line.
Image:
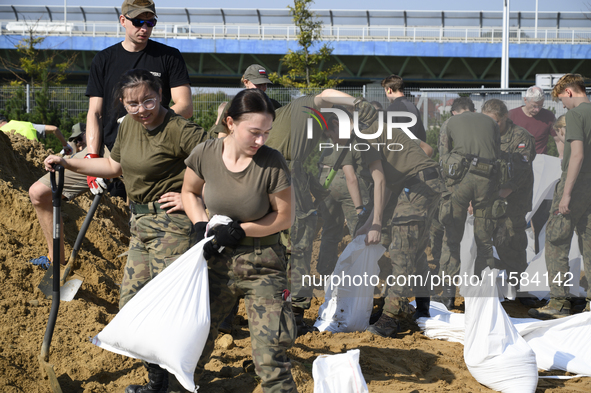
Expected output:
{"points": [[428, 48]]}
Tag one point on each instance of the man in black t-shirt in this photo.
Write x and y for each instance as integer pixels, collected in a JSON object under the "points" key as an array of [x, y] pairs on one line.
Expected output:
{"points": [[394, 88], [138, 18]]}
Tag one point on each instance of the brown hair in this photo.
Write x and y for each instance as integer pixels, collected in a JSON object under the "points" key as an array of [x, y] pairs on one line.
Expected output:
{"points": [[495, 107], [463, 103], [393, 82], [572, 81], [249, 101], [134, 78]]}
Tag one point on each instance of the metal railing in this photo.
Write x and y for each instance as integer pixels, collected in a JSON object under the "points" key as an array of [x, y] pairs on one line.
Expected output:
{"points": [[329, 33], [433, 103]]}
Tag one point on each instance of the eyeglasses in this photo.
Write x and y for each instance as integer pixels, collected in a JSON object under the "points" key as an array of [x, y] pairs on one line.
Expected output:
{"points": [[137, 22], [78, 140], [148, 105]]}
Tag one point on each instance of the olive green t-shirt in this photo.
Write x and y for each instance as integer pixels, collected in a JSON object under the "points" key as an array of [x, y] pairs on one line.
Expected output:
{"points": [[153, 161], [244, 195], [332, 156], [289, 134], [578, 128], [474, 133], [402, 158]]}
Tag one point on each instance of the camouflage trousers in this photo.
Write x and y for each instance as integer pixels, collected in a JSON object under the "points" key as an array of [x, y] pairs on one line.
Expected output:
{"points": [[157, 240], [509, 237], [301, 237], [259, 274], [409, 238], [337, 208], [436, 233], [559, 232], [452, 214]]}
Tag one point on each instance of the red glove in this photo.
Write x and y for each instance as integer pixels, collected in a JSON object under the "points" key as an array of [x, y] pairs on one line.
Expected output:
{"points": [[96, 184]]}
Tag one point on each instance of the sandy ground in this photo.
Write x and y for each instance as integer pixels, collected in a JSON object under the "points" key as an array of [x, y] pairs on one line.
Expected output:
{"points": [[411, 363]]}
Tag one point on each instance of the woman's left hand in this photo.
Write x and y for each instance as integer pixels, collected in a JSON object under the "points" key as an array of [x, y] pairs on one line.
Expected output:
{"points": [[171, 202]]}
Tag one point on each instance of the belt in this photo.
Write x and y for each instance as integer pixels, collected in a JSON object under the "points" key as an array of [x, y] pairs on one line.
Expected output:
{"points": [[148, 208], [422, 176], [263, 241], [471, 157]]}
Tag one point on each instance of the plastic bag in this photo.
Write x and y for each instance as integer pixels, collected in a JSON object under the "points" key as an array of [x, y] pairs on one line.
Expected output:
{"points": [[348, 299], [495, 354], [167, 322], [338, 373]]}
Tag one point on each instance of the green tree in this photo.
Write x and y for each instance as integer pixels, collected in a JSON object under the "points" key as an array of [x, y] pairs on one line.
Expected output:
{"points": [[305, 66], [34, 66], [37, 69]]}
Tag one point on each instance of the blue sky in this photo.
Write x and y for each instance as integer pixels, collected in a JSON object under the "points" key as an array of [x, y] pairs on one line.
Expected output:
{"points": [[449, 5]]}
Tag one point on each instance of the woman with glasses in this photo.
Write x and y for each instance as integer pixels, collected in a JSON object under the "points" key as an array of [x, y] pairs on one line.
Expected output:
{"points": [[149, 152]]}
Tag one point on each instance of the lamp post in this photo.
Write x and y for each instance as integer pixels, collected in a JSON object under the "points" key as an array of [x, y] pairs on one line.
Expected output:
{"points": [[505, 47]]}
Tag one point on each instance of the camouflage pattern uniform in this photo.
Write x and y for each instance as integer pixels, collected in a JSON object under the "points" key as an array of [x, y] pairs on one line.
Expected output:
{"points": [[258, 273], [334, 210], [509, 236], [157, 240], [301, 236], [560, 228], [559, 233], [409, 228], [478, 134], [295, 148]]}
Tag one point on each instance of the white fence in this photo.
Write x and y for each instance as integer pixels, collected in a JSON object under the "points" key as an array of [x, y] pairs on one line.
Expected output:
{"points": [[329, 33]]}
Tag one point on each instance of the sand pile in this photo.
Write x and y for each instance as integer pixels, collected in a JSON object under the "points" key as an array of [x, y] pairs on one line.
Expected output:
{"points": [[412, 363]]}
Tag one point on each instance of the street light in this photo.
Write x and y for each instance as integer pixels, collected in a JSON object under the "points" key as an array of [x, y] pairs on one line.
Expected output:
{"points": [[505, 47]]}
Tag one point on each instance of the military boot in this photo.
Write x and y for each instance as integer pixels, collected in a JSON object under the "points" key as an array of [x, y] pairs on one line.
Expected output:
{"points": [[423, 304], [157, 381], [385, 327], [226, 325], [301, 326], [447, 297], [556, 308]]}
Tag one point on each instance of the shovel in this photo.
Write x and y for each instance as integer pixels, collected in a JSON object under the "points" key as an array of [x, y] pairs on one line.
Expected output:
{"points": [[70, 286], [56, 192]]}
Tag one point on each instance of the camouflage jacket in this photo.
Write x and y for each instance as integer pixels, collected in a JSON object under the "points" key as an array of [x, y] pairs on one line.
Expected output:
{"points": [[520, 146]]}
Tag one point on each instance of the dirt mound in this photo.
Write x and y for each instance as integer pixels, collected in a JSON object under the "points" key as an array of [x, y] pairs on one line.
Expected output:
{"points": [[409, 364]]}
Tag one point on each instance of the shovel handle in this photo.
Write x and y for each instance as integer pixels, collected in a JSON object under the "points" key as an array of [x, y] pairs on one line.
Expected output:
{"points": [[57, 188], [56, 193], [95, 202]]}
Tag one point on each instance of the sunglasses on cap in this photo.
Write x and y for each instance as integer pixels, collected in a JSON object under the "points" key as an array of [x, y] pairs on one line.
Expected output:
{"points": [[137, 22]]}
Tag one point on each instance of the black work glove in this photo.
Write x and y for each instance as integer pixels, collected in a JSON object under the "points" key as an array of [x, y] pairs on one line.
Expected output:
{"points": [[367, 113], [228, 235], [200, 227], [361, 220]]}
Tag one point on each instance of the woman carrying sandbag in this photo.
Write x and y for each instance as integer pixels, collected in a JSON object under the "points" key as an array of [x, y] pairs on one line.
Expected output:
{"points": [[241, 178], [149, 152]]}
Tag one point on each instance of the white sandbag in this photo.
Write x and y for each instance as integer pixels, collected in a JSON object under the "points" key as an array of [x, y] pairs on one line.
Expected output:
{"points": [[349, 290], [338, 373], [560, 344], [495, 354], [167, 321], [443, 324]]}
